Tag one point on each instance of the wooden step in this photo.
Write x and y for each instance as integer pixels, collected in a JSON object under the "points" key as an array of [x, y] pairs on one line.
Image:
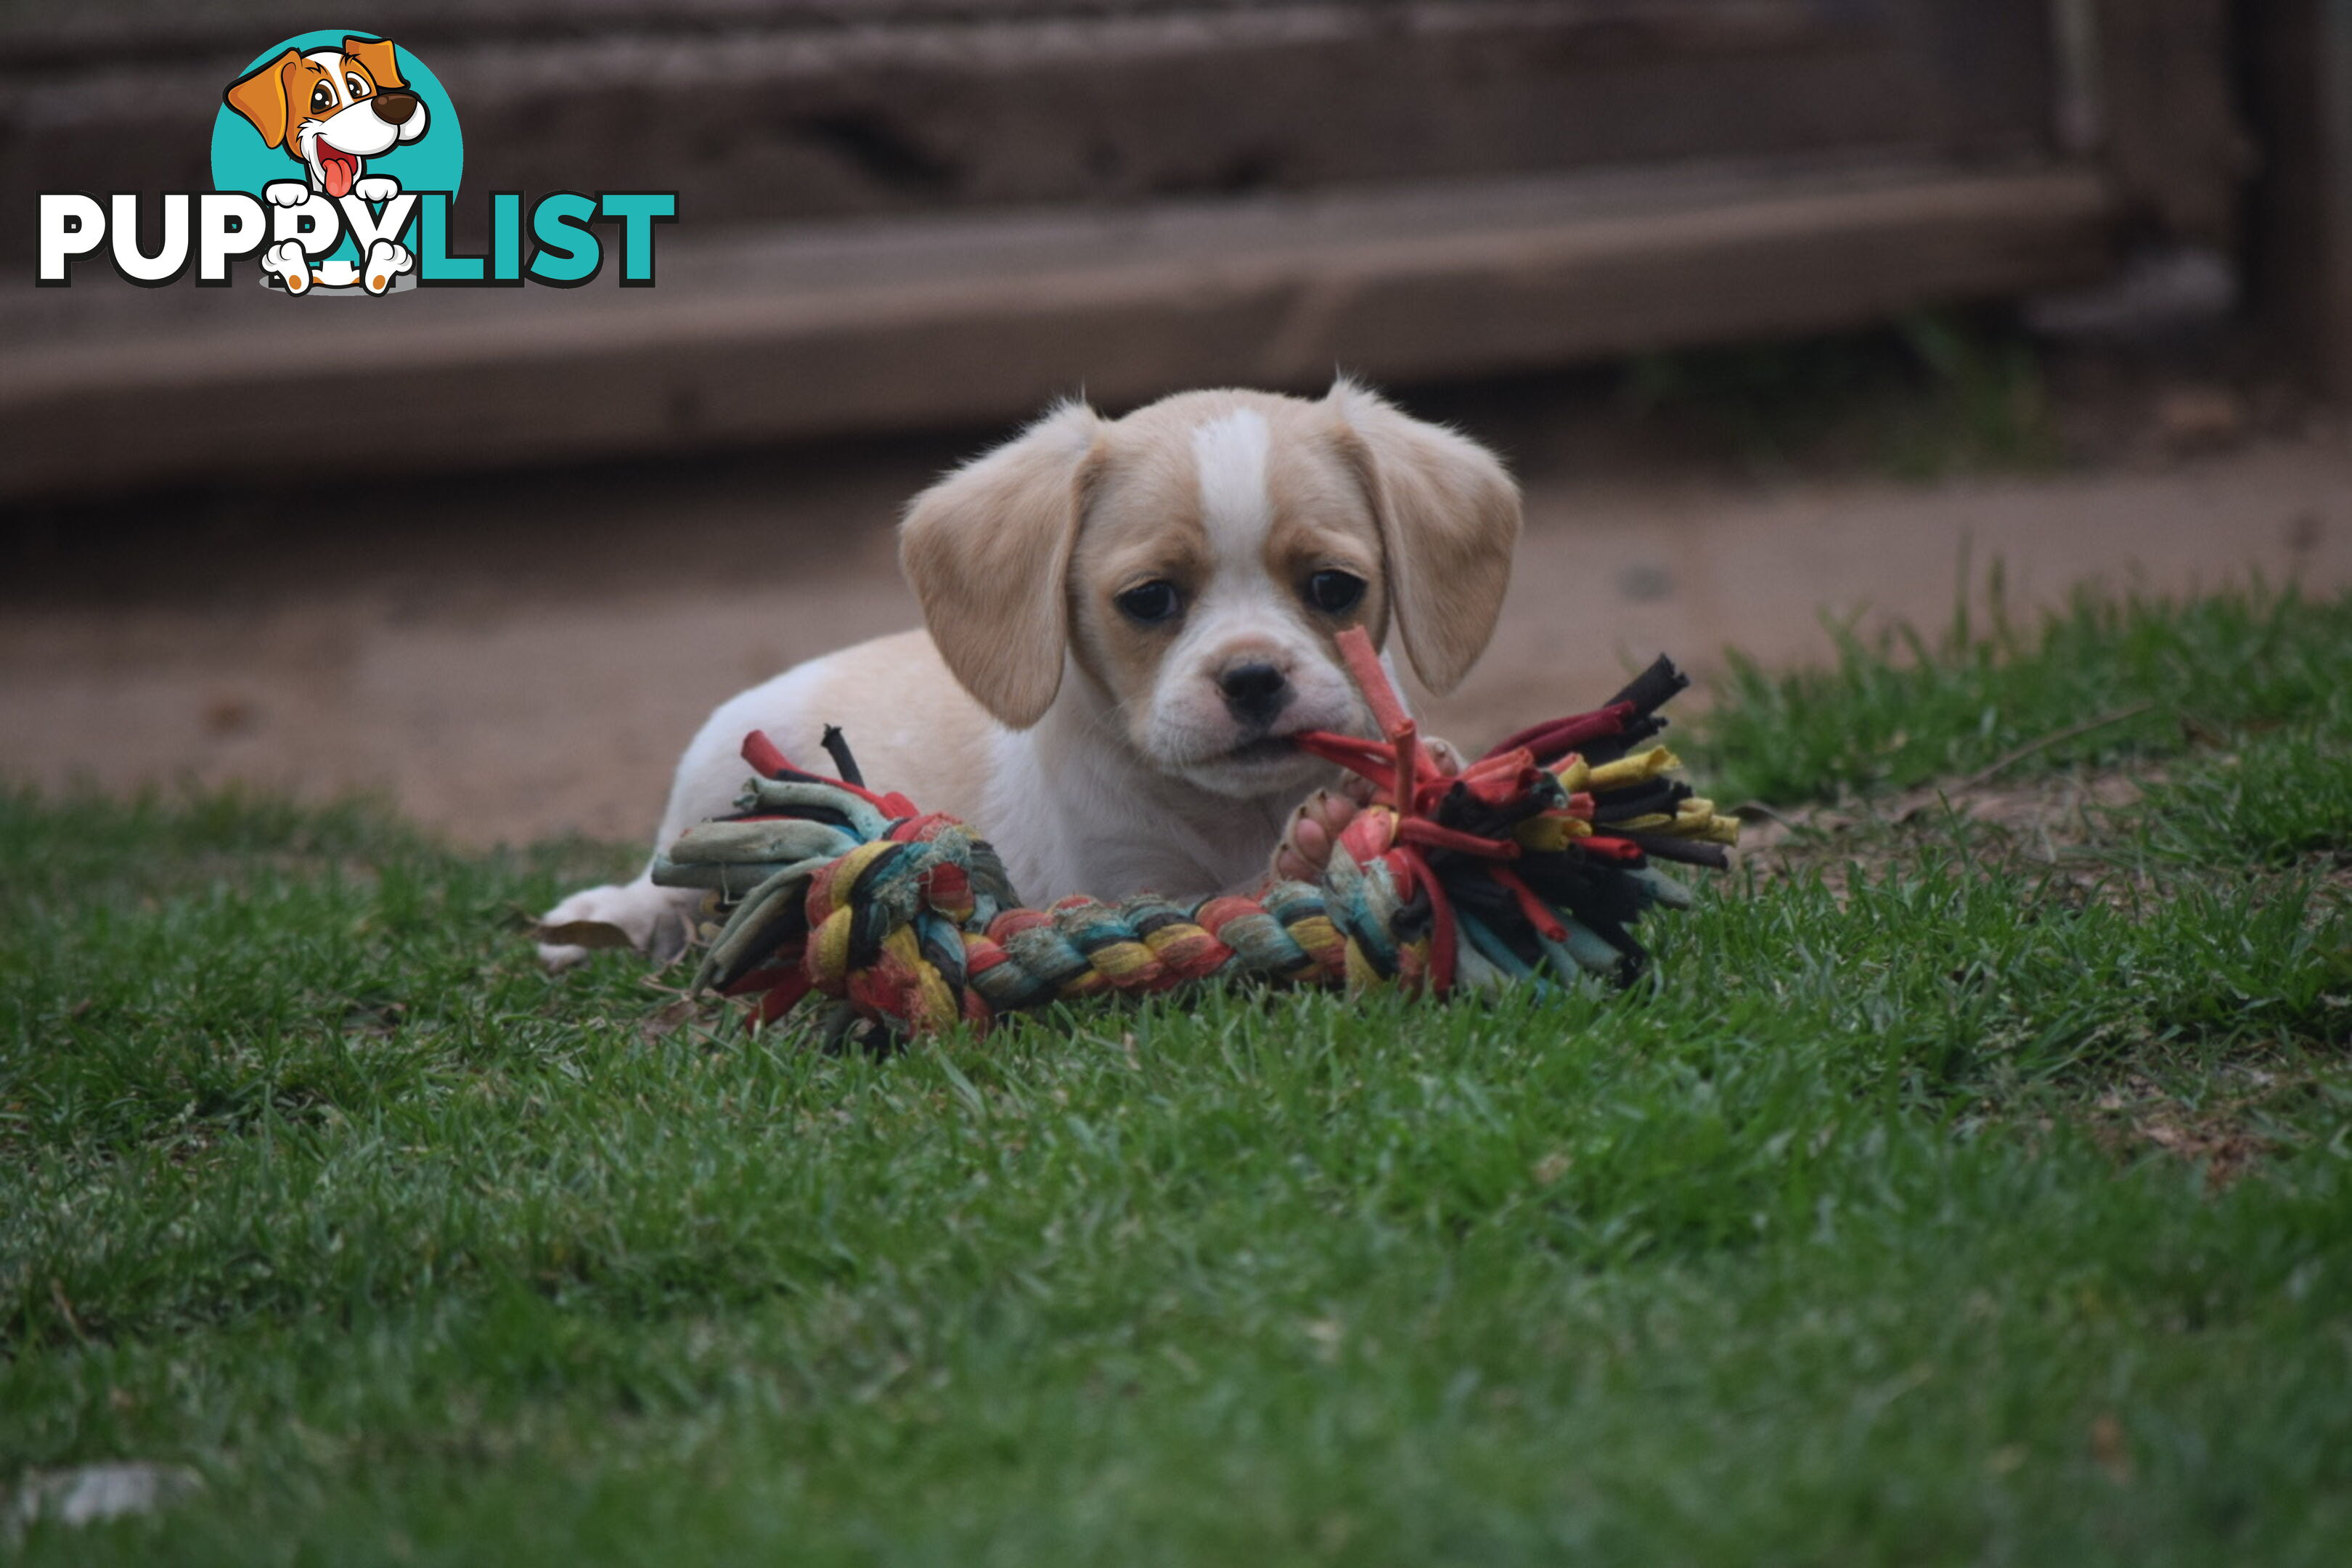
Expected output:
{"points": [[794, 110], [756, 334]]}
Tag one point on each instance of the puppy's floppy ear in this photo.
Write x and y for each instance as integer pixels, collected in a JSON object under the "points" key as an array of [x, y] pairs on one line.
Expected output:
{"points": [[1449, 519], [988, 552], [375, 55], [261, 97]]}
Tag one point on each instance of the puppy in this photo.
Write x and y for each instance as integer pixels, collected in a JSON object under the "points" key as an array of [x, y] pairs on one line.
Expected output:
{"points": [[331, 110], [1128, 619]]}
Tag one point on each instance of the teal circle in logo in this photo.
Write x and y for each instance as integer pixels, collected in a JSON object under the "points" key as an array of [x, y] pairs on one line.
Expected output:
{"points": [[243, 159]]}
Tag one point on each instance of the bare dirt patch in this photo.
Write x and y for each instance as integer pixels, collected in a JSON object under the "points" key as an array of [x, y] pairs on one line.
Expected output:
{"points": [[2224, 1129], [2038, 822], [518, 657]]}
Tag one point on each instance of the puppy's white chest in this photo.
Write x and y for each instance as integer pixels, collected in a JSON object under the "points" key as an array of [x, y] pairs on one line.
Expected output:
{"points": [[1070, 824]]}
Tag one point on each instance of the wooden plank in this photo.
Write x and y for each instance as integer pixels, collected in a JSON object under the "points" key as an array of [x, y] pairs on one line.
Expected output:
{"points": [[2169, 118], [787, 118], [856, 327], [2299, 230]]}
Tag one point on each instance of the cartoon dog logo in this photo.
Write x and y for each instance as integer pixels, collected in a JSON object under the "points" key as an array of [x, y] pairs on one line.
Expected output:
{"points": [[332, 109]]}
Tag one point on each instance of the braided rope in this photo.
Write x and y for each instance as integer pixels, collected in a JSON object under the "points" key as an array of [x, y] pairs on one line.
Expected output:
{"points": [[1529, 864]]}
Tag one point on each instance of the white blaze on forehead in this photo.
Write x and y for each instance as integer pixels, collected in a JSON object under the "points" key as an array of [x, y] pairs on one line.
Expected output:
{"points": [[332, 61], [1236, 511], [1241, 610]]}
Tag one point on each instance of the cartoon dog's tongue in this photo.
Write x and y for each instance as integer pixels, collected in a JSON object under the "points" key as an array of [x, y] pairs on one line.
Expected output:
{"points": [[339, 169]]}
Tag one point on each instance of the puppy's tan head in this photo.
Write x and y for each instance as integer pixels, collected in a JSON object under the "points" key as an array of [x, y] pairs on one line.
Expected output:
{"points": [[1195, 560]]}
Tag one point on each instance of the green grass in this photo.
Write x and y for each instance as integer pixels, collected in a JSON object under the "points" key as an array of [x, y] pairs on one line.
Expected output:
{"points": [[2146, 679], [1859, 1238]]}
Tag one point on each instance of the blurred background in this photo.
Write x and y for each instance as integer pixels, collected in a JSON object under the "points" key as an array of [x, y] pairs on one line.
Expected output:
{"points": [[1780, 307]]}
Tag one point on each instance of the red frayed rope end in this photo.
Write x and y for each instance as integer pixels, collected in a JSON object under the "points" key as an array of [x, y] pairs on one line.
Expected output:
{"points": [[1363, 662]]}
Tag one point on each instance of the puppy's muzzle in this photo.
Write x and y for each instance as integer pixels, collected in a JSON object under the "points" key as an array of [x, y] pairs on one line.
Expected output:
{"points": [[396, 108], [1255, 692]]}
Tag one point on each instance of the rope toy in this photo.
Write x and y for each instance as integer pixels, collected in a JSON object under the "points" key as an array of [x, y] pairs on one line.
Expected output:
{"points": [[1531, 864]]}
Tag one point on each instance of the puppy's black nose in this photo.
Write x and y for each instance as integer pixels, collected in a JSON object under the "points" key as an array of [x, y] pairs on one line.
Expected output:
{"points": [[1253, 692], [395, 108]]}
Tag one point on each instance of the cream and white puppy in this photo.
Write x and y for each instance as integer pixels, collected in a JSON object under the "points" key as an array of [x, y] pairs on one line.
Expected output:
{"points": [[1127, 619]]}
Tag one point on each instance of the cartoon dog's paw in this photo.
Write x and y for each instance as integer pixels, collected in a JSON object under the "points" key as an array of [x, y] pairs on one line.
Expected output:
{"points": [[386, 261], [288, 259], [286, 192], [376, 188]]}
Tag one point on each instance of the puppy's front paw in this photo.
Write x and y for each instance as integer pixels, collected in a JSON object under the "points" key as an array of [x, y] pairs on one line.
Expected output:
{"points": [[290, 262], [376, 188], [386, 261], [286, 192], [1305, 848]]}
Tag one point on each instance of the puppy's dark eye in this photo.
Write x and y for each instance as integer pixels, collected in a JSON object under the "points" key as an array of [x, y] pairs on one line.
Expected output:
{"points": [[355, 84], [1333, 592], [322, 97], [1149, 603]]}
